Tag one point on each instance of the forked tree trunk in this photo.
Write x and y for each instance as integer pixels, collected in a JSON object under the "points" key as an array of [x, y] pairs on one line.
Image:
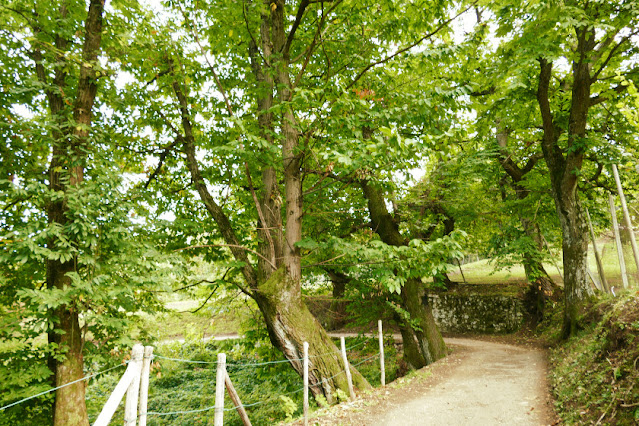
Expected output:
{"points": [[565, 170], [275, 284], [541, 286], [428, 340]]}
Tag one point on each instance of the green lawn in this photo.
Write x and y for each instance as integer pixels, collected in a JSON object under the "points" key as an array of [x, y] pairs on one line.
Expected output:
{"points": [[483, 271]]}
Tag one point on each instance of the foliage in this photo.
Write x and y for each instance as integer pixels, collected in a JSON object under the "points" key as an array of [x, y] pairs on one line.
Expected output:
{"points": [[275, 389], [51, 215]]}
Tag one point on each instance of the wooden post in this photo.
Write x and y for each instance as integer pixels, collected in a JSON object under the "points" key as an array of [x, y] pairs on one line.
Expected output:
{"points": [[593, 283], [615, 228], [602, 276], [219, 390], [132, 393], [381, 352], [112, 403], [626, 217], [347, 369], [144, 384], [461, 272], [552, 257], [305, 383], [236, 400]]}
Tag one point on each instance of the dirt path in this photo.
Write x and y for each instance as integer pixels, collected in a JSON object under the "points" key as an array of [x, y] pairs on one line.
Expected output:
{"points": [[481, 383]]}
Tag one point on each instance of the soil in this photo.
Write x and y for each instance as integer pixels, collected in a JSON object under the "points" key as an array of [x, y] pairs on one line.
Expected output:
{"points": [[480, 383]]}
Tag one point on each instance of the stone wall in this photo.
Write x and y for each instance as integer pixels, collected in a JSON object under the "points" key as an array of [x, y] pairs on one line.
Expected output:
{"points": [[477, 313]]}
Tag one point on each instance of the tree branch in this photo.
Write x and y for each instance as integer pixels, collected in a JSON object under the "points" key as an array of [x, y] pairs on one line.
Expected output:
{"points": [[611, 54], [298, 19], [212, 207], [406, 48], [601, 98], [552, 153], [236, 246]]}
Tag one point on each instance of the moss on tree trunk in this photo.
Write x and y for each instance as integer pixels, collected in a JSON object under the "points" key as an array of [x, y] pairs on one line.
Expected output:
{"points": [[290, 323]]}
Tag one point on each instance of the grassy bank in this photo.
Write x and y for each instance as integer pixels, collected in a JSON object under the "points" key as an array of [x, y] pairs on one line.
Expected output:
{"points": [[595, 375]]}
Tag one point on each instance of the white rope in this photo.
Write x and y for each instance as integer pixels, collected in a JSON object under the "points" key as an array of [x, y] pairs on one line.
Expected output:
{"points": [[62, 386]]}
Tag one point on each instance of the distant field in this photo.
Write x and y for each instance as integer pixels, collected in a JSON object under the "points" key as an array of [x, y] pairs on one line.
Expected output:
{"points": [[483, 271]]}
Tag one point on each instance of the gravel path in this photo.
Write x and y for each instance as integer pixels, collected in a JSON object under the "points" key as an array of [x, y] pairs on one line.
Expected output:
{"points": [[481, 383], [495, 384]]}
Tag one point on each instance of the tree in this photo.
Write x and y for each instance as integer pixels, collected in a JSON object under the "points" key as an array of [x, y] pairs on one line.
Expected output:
{"points": [[281, 73], [73, 264], [594, 39]]}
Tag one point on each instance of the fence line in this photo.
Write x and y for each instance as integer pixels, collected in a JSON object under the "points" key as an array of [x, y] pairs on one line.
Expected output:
{"points": [[254, 404], [258, 364], [63, 386], [221, 365], [133, 383]]}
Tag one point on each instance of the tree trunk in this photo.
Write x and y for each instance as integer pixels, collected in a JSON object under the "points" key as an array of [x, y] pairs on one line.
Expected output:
{"points": [[430, 341], [541, 286], [575, 246], [413, 294], [565, 170], [66, 170], [276, 284], [413, 356], [337, 317], [290, 323]]}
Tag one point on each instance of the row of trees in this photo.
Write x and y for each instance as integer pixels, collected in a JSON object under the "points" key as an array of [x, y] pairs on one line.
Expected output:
{"points": [[277, 138]]}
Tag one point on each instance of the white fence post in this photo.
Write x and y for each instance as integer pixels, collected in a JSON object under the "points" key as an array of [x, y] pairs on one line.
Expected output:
{"points": [[144, 384], [626, 217], [381, 352], [132, 393], [305, 383], [132, 371], [347, 368], [219, 390], [615, 228]]}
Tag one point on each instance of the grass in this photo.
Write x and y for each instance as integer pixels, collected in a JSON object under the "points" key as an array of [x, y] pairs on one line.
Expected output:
{"points": [[484, 272], [183, 318], [594, 375]]}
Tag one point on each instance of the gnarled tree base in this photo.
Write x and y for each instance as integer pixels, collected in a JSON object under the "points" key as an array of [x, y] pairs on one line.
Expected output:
{"points": [[290, 324]]}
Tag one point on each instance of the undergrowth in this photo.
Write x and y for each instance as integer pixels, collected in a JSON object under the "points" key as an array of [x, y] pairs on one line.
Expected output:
{"points": [[272, 393], [595, 375]]}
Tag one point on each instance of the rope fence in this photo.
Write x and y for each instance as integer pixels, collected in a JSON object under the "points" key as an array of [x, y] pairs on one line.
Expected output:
{"points": [[134, 383], [257, 364], [63, 386]]}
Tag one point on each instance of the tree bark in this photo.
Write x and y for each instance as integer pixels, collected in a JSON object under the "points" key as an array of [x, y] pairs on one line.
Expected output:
{"points": [[290, 323], [68, 156], [564, 172], [276, 283], [427, 338], [541, 286]]}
